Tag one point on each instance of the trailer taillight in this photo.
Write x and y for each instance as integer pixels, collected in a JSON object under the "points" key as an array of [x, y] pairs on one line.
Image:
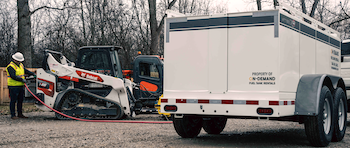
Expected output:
{"points": [[170, 108], [264, 111]]}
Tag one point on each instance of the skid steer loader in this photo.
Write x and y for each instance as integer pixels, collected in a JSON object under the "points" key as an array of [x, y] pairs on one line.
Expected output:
{"points": [[94, 86]]}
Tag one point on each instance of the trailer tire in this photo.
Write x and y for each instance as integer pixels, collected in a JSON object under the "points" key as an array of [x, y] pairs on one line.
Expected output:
{"points": [[188, 126], [340, 115], [319, 128], [214, 125]]}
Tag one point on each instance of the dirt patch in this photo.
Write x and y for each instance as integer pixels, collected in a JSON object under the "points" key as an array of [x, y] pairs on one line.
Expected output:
{"points": [[27, 108]]}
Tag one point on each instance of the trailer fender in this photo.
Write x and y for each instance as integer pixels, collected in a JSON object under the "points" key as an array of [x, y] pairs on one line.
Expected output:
{"points": [[308, 92]]}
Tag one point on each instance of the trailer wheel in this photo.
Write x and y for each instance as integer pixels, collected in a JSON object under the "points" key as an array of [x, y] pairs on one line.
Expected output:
{"points": [[188, 126], [214, 125], [319, 128], [340, 115]]}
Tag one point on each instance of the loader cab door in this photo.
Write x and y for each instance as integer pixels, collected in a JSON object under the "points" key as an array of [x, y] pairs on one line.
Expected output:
{"points": [[148, 72]]}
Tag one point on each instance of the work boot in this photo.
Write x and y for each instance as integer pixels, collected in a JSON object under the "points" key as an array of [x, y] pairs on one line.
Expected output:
{"points": [[22, 116], [14, 118]]}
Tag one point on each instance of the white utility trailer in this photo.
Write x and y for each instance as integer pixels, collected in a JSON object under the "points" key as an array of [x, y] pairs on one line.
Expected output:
{"points": [[278, 64]]}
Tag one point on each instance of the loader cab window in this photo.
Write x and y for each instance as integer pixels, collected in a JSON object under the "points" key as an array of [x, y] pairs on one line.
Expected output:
{"points": [[96, 61], [149, 70]]}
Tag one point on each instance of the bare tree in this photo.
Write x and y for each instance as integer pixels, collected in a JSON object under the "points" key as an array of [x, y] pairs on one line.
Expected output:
{"points": [[8, 42], [142, 25], [155, 28], [313, 9], [24, 31]]}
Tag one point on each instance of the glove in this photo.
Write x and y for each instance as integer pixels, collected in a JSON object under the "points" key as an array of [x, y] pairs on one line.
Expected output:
{"points": [[24, 80]]}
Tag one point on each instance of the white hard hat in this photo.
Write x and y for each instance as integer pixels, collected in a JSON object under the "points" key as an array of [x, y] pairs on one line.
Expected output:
{"points": [[18, 56]]}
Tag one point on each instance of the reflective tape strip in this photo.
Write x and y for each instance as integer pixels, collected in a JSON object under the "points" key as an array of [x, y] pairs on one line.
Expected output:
{"points": [[21, 76], [203, 101], [250, 102], [14, 65], [180, 100], [215, 101], [238, 102], [192, 101], [226, 101], [281, 103], [207, 101]]}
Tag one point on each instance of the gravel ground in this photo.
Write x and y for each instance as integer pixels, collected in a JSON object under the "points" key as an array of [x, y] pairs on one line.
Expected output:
{"points": [[41, 129]]}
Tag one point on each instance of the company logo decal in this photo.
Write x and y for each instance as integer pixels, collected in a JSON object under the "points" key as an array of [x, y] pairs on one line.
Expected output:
{"points": [[262, 78], [46, 86], [89, 76]]}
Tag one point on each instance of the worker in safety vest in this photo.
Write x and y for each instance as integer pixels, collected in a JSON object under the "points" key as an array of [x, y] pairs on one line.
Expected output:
{"points": [[15, 82]]}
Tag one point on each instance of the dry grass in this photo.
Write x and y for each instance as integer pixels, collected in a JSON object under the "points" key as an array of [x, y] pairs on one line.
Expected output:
{"points": [[27, 107]]}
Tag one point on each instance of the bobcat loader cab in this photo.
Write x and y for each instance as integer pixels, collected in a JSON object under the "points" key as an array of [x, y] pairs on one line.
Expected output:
{"points": [[261, 64]]}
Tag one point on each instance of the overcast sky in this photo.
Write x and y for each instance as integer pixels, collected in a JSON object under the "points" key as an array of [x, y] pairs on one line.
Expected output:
{"points": [[246, 5], [237, 6]]}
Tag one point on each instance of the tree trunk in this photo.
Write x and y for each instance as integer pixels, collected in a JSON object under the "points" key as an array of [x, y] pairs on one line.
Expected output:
{"points": [[155, 29], [303, 7], [314, 6], [180, 6], [83, 21], [275, 3], [103, 20], [154, 25], [24, 31], [258, 3]]}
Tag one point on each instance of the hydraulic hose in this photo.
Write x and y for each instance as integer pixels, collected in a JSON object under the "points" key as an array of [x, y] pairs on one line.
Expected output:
{"points": [[87, 120]]}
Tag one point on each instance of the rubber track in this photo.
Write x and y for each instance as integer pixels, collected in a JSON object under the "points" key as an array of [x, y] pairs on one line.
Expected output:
{"points": [[115, 121], [93, 96]]}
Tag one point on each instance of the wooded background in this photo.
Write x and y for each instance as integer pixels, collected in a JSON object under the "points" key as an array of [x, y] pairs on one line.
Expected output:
{"points": [[31, 26]]}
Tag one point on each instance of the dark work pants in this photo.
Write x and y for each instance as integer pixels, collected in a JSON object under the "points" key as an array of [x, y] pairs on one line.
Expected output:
{"points": [[16, 95]]}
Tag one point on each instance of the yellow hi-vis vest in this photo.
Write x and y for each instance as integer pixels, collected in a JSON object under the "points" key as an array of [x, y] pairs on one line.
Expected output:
{"points": [[19, 72]]}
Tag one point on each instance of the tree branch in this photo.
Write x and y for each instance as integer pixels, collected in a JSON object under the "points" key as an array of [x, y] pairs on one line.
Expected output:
{"points": [[343, 19], [342, 8], [160, 27], [47, 7], [314, 6], [302, 3]]}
